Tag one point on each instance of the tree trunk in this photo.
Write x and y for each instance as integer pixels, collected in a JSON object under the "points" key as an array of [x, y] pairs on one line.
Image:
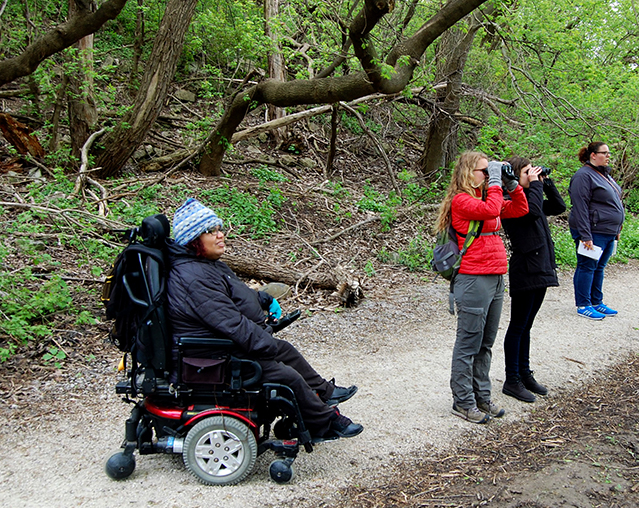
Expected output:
{"points": [[138, 42], [276, 69], [404, 57], [57, 39], [440, 145], [83, 114], [167, 48]]}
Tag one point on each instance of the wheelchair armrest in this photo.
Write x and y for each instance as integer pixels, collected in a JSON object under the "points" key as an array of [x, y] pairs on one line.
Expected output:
{"points": [[237, 381], [207, 342]]}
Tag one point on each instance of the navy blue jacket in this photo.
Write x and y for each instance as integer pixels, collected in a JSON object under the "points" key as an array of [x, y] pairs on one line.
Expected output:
{"points": [[206, 299], [532, 263], [596, 203]]}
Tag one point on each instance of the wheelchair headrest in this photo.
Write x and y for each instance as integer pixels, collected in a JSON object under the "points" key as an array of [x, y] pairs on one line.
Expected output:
{"points": [[154, 230]]}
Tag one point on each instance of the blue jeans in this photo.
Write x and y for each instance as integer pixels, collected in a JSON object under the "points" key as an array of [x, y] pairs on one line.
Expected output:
{"points": [[589, 275]]}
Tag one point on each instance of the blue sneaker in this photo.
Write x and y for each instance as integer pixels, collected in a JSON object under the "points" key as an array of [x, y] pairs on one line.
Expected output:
{"points": [[605, 310], [590, 313]]}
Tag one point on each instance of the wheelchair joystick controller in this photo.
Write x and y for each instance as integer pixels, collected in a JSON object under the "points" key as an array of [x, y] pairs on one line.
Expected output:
{"points": [[284, 321]]}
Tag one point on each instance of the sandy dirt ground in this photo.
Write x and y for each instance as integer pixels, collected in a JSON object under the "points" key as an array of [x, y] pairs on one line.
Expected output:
{"points": [[395, 346]]}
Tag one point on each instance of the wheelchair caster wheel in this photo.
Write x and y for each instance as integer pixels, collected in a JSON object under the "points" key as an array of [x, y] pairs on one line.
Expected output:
{"points": [[281, 471], [120, 466]]}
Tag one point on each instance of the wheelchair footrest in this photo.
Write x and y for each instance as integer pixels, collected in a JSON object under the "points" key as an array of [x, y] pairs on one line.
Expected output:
{"points": [[281, 448]]}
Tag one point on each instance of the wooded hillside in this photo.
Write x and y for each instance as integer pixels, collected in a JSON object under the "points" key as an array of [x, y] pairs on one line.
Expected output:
{"points": [[322, 132]]}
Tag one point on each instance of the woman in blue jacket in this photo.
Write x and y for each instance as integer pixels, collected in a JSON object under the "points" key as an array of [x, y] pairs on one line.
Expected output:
{"points": [[532, 269], [596, 218]]}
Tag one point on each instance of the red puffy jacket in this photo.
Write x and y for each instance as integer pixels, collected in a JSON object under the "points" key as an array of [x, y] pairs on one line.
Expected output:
{"points": [[487, 254]]}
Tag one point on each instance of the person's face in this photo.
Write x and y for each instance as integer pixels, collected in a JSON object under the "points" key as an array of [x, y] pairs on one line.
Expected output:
{"points": [[601, 157], [480, 172], [213, 243], [523, 176]]}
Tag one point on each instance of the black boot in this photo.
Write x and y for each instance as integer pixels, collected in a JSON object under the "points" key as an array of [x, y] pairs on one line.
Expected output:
{"points": [[518, 390], [533, 386]]}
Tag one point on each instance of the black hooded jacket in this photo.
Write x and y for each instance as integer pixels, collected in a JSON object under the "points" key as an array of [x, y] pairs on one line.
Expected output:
{"points": [[206, 299], [532, 264]]}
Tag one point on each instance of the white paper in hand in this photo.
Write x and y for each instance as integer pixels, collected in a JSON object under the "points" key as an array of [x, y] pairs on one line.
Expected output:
{"points": [[594, 253]]}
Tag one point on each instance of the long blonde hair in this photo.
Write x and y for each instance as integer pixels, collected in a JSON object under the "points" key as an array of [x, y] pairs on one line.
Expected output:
{"points": [[462, 180]]}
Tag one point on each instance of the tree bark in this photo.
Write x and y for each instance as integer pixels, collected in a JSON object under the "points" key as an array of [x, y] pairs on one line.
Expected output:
{"points": [[138, 42], [83, 113], [270, 271], [440, 145], [403, 59], [276, 69], [56, 40], [130, 132]]}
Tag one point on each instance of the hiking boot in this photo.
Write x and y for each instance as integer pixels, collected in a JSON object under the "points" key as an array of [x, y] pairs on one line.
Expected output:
{"points": [[518, 390], [605, 310], [491, 409], [473, 414], [590, 313], [343, 426], [340, 394], [533, 386]]}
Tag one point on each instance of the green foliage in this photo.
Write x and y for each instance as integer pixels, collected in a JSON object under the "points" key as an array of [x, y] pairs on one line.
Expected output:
{"points": [[244, 211], [54, 355], [133, 212], [632, 200], [375, 201], [565, 254], [265, 174], [28, 305], [628, 246], [352, 124], [369, 269], [415, 193], [416, 257], [228, 33]]}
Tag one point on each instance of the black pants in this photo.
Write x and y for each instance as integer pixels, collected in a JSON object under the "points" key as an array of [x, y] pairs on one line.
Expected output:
{"points": [[311, 390], [523, 310]]}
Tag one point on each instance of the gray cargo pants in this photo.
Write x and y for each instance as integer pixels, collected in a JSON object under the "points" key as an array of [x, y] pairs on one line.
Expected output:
{"points": [[479, 300]]}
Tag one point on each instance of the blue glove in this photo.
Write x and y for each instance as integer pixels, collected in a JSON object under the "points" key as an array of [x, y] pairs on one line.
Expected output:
{"points": [[494, 173], [274, 310]]}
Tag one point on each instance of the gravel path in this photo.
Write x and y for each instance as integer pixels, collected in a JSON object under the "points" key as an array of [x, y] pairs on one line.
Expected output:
{"points": [[396, 347]]}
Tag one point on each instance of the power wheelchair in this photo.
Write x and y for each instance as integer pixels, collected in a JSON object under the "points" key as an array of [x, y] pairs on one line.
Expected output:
{"points": [[207, 404]]}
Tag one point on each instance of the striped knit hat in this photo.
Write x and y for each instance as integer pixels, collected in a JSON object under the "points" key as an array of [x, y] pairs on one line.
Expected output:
{"points": [[191, 220]]}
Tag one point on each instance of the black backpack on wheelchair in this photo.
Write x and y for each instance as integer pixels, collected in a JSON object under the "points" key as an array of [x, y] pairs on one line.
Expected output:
{"points": [[207, 404]]}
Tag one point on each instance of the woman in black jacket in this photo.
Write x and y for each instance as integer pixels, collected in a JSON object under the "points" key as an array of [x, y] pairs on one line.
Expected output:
{"points": [[205, 298], [532, 269]]}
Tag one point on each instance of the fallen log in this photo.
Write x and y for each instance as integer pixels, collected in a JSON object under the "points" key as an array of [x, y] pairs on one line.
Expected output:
{"points": [[274, 272]]}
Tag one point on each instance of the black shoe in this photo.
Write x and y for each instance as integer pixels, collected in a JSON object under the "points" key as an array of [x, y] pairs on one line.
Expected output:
{"points": [[343, 426], [518, 390], [340, 394], [532, 385]]}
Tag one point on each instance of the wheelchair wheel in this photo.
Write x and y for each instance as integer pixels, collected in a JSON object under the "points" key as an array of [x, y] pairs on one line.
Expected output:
{"points": [[281, 471], [220, 451]]}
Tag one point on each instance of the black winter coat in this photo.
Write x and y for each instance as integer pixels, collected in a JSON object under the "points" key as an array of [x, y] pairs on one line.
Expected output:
{"points": [[206, 299], [532, 263]]}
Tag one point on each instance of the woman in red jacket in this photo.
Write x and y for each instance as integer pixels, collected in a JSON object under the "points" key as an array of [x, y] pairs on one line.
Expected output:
{"points": [[475, 193]]}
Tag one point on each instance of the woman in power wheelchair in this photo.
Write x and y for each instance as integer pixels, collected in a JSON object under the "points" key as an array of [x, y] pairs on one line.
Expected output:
{"points": [[214, 383]]}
